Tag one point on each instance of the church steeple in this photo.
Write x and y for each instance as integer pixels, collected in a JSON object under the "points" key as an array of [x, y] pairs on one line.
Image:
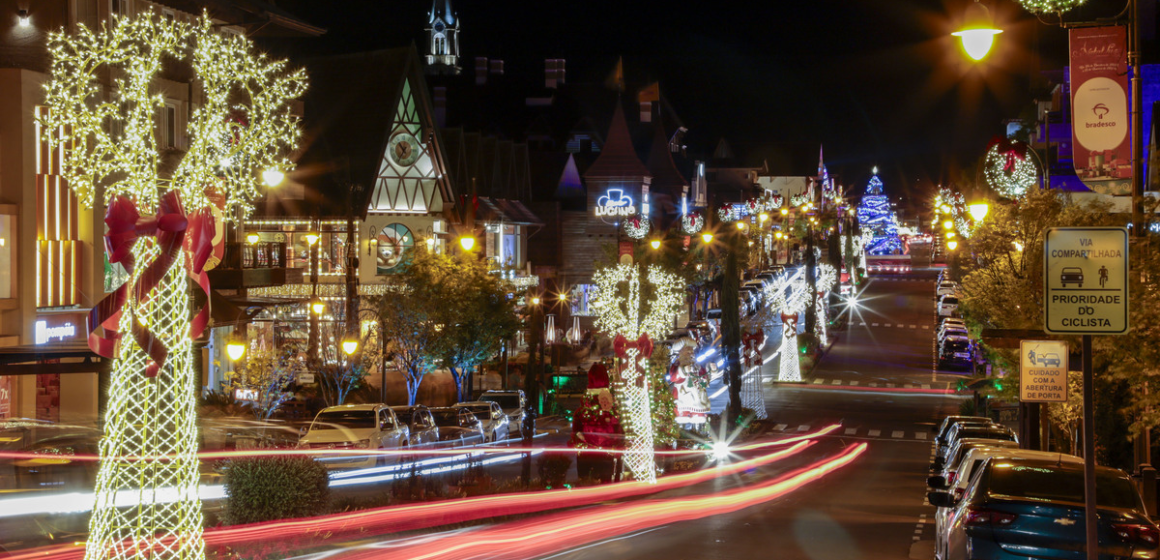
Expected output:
{"points": [[442, 39]]}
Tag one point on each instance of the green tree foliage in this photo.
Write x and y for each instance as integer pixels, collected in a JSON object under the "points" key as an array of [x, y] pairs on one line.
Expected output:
{"points": [[664, 406], [267, 374], [268, 488]]}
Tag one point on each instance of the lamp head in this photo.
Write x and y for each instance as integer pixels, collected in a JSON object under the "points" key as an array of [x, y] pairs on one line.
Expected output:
{"points": [[312, 238], [273, 177], [763, 217], [952, 245], [740, 225], [978, 31], [317, 307], [235, 349], [23, 19], [655, 243], [349, 346], [948, 225], [785, 211], [979, 210], [707, 237], [252, 238], [467, 242], [535, 300]]}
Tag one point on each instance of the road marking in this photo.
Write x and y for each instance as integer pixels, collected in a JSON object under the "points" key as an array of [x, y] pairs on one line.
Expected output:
{"points": [[851, 431], [779, 427], [897, 434], [872, 384], [874, 433], [926, 326], [890, 385], [886, 325], [926, 385], [914, 326], [853, 383], [919, 435], [836, 382], [873, 324], [818, 381], [804, 428]]}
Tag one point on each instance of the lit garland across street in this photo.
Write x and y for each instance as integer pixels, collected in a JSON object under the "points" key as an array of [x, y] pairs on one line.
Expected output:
{"points": [[1056, 6], [692, 223], [636, 227], [1009, 170], [244, 118], [623, 313]]}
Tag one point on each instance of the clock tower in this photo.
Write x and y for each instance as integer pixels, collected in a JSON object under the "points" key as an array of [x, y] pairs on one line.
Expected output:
{"points": [[442, 39]]}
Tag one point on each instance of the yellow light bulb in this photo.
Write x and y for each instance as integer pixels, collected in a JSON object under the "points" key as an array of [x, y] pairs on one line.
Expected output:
{"points": [[251, 238], [655, 243], [763, 217], [952, 245], [707, 237], [312, 238], [467, 242], [273, 177], [318, 307], [349, 346], [235, 350]]}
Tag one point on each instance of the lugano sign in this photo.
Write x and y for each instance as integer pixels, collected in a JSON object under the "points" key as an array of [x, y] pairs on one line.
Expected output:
{"points": [[615, 203]]}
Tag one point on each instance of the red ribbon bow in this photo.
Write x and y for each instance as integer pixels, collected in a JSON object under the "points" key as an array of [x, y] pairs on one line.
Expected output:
{"points": [[173, 230], [645, 348], [752, 343]]}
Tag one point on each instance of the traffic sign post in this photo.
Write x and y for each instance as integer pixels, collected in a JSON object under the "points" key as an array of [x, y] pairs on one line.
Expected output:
{"points": [[1085, 285], [1085, 281], [1043, 371]]}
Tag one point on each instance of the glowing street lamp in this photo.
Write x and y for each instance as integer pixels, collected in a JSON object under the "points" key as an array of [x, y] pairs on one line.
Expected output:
{"points": [[251, 238], [273, 177], [785, 211], [317, 306], [655, 243], [467, 242], [740, 225], [350, 345], [948, 225], [235, 349], [979, 210], [764, 216], [535, 300], [978, 31], [707, 237], [952, 245], [312, 238]]}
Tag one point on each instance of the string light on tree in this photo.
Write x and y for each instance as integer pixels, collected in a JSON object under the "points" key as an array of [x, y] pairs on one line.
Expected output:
{"points": [[1050, 6], [789, 307], [1008, 169], [151, 404], [826, 280]]}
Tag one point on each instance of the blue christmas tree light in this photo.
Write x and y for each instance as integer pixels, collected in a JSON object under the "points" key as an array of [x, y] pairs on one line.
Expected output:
{"points": [[875, 216]]}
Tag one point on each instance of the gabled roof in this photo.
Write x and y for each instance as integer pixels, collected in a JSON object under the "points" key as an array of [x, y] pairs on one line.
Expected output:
{"points": [[349, 110], [617, 157]]}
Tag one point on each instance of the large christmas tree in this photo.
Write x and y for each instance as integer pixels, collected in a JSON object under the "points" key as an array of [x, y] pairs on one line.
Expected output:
{"points": [[876, 217]]}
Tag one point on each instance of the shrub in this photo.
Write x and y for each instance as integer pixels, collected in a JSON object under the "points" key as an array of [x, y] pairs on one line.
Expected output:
{"points": [[269, 488], [553, 469]]}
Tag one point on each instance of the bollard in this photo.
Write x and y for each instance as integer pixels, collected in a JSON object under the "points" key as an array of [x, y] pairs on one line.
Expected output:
{"points": [[1148, 487]]}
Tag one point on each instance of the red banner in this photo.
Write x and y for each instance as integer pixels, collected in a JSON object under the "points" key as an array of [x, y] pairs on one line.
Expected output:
{"points": [[1102, 149]]}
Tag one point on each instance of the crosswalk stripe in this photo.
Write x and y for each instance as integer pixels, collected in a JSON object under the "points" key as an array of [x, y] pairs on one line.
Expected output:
{"points": [[890, 385], [926, 326], [873, 384], [818, 381], [897, 434], [874, 433], [886, 325], [804, 428], [873, 324], [853, 383], [919, 435], [851, 431], [836, 382], [914, 326], [779, 427]]}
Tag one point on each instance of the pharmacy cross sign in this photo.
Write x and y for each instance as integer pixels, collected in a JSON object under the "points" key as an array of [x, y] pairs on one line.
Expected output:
{"points": [[1085, 280]]}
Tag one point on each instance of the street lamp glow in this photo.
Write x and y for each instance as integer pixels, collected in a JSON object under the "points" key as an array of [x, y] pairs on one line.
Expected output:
{"points": [[655, 243], [978, 31], [779, 235], [763, 217], [536, 300], [1018, 246], [707, 237], [317, 307], [467, 242], [948, 225], [349, 346], [251, 238], [273, 177], [952, 245], [312, 238], [946, 209], [740, 225], [235, 349], [979, 210], [785, 211], [950, 235]]}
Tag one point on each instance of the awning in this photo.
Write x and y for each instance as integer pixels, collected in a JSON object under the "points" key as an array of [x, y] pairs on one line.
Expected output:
{"points": [[495, 210], [68, 357]]}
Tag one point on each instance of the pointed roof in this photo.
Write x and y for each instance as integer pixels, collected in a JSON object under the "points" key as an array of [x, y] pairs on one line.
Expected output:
{"points": [[443, 13], [724, 150], [569, 184], [665, 175], [617, 157]]}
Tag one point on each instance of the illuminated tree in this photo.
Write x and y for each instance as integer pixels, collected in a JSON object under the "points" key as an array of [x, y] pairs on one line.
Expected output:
{"points": [[789, 306], [637, 307], [161, 229]]}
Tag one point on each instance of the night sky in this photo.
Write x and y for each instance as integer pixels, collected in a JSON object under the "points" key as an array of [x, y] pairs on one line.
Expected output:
{"points": [[877, 82]]}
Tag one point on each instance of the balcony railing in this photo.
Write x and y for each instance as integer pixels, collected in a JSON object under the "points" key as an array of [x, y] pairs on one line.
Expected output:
{"points": [[256, 255]]}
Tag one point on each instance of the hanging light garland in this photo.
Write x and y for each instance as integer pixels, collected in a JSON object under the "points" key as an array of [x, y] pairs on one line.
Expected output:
{"points": [[728, 213], [1008, 169], [636, 227], [1050, 6], [692, 223], [151, 402]]}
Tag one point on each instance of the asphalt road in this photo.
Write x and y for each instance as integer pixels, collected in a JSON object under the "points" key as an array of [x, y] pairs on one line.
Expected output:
{"points": [[870, 381]]}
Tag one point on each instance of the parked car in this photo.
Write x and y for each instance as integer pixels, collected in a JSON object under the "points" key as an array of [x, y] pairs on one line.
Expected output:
{"points": [[948, 306], [955, 455], [769, 278], [954, 350], [1034, 508], [513, 403], [419, 424], [949, 321], [704, 331], [952, 329], [1049, 359], [966, 468], [946, 288], [457, 425], [496, 426], [714, 315], [948, 426], [355, 426], [965, 431]]}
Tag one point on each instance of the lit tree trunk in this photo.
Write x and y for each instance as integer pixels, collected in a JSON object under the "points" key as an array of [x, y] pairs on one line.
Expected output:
{"points": [[731, 325], [151, 418]]}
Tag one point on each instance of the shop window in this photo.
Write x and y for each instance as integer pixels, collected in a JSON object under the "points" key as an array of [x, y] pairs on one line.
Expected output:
{"points": [[581, 299]]}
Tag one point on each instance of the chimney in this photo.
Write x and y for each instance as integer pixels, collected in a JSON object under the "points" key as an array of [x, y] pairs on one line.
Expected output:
{"points": [[480, 70], [440, 106], [497, 67], [550, 73]]}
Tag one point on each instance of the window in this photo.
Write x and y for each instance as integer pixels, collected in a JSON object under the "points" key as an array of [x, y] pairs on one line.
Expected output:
{"points": [[120, 8], [169, 15], [169, 126]]}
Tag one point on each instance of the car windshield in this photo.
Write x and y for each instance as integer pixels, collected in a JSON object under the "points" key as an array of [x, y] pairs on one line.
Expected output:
{"points": [[480, 411], [950, 301], [445, 417], [333, 419], [957, 345], [985, 433], [504, 401], [1055, 484], [404, 414]]}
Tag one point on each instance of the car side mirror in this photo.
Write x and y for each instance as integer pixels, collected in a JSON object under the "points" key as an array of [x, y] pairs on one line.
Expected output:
{"points": [[941, 499], [938, 481]]}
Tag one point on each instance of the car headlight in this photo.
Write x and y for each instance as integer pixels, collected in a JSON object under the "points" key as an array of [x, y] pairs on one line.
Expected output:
{"points": [[363, 443]]}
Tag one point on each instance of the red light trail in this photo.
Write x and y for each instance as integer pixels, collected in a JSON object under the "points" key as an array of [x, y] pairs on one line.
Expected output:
{"points": [[563, 531]]}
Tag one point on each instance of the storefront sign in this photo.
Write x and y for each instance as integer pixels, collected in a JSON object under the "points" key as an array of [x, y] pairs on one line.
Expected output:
{"points": [[1043, 371], [615, 203], [1099, 109], [44, 334]]}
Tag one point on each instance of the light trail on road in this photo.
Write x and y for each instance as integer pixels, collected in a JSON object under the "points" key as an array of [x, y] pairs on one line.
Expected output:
{"points": [[538, 537]]}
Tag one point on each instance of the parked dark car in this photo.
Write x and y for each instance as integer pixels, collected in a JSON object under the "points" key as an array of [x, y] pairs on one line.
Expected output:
{"points": [[974, 432], [457, 425], [1034, 508], [418, 419]]}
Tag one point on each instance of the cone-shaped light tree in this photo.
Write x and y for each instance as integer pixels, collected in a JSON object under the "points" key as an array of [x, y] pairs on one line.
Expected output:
{"points": [[789, 305], [162, 223]]}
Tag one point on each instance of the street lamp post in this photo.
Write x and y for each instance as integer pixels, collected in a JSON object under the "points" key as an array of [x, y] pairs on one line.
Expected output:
{"points": [[531, 386], [312, 238]]}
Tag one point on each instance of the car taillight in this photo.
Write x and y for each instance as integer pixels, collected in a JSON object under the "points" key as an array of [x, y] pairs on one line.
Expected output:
{"points": [[1146, 534], [984, 516], [951, 477]]}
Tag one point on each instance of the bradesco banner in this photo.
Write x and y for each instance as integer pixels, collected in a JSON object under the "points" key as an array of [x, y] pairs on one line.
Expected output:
{"points": [[1099, 109]]}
